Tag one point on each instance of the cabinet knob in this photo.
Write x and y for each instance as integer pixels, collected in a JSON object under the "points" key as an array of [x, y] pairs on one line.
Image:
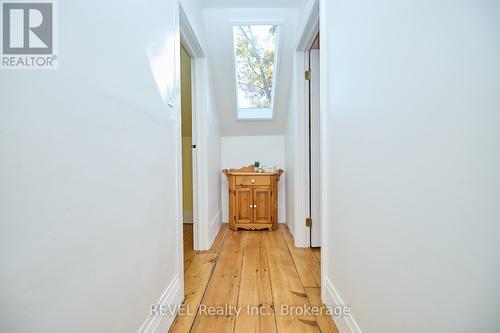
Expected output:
{"points": [[253, 180]]}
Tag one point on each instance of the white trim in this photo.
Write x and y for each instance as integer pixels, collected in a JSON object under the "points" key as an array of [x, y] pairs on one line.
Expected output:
{"points": [[199, 154], [324, 64], [198, 76], [315, 230], [299, 162], [179, 230], [194, 159], [255, 114], [172, 296], [345, 324], [188, 37], [306, 38], [217, 218], [323, 107], [214, 226], [310, 28]]}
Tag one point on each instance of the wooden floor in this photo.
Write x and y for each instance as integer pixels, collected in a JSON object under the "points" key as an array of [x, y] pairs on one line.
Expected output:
{"points": [[262, 274]]}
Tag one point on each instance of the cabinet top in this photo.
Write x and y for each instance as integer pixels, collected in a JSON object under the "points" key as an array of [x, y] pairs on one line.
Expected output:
{"points": [[249, 171]]}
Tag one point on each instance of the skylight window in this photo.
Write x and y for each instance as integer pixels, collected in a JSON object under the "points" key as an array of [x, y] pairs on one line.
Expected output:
{"points": [[255, 59]]}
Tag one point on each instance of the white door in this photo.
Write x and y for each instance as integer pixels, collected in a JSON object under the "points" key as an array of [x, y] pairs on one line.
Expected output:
{"points": [[314, 148]]}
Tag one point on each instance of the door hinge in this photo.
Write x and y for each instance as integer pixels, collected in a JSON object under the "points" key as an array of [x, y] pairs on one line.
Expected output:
{"points": [[193, 146], [309, 222], [307, 75]]}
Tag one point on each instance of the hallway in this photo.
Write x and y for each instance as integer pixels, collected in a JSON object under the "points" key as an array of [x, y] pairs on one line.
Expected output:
{"points": [[363, 136], [258, 270]]}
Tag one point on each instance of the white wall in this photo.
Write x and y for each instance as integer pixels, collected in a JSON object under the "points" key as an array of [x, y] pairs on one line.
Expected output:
{"points": [[295, 152], [212, 144], [220, 52], [240, 151], [208, 143], [290, 199], [89, 207], [412, 162]]}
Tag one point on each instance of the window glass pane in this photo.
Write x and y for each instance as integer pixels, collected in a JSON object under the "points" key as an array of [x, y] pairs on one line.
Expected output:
{"points": [[255, 54]]}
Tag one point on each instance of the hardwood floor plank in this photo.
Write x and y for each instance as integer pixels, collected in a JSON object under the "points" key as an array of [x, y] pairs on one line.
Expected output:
{"points": [[188, 230], [317, 253], [260, 269], [287, 287], [189, 252], [325, 321], [255, 298], [234, 242], [223, 288], [187, 260], [308, 266], [195, 283]]}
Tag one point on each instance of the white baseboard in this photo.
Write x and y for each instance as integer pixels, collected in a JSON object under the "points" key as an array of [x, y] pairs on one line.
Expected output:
{"points": [[345, 324], [187, 216], [214, 227], [173, 295]]}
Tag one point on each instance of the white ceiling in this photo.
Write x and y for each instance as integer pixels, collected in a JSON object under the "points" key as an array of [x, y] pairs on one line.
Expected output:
{"points": [[220, 54], [252, 3]]}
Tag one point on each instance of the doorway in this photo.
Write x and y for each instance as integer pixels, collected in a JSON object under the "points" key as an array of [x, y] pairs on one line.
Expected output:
{"points": [[188, 211], [313, 143]]}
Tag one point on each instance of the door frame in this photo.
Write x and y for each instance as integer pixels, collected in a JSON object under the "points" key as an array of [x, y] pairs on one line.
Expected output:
{"points": [[315, 22], [314, 148], [308, 33], [191, 44]]}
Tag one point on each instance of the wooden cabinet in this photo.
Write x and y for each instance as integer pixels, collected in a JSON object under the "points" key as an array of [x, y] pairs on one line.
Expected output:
{"points": [[253, 199]]}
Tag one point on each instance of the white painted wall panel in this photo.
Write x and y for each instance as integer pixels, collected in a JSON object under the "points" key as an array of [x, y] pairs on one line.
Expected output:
{"points": [[413, 160], [89, 211]]}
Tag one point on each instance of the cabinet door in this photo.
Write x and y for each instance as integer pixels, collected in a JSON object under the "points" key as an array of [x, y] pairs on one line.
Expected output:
{"points": [[262, 205], [243, 205]]}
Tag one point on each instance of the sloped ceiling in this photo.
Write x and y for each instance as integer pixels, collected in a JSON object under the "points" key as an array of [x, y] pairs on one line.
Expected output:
{"points": [[251, 3], [218, 23]]}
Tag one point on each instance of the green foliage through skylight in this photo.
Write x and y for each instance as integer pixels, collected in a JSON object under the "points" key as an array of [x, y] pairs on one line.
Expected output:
{"points": [[255, 55]]}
